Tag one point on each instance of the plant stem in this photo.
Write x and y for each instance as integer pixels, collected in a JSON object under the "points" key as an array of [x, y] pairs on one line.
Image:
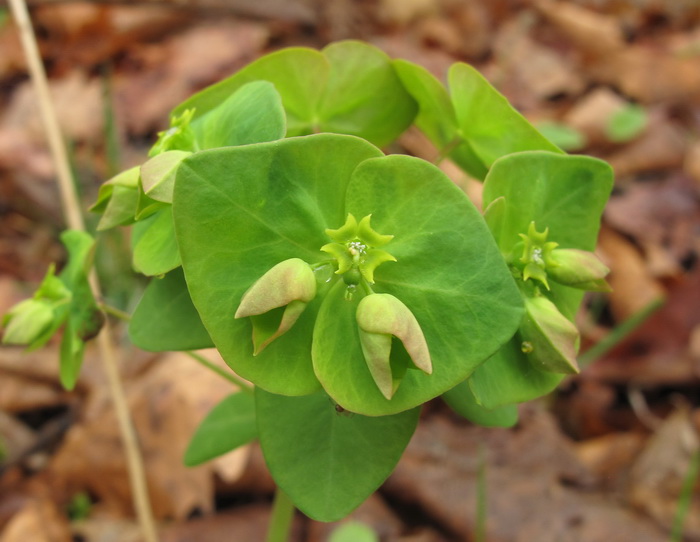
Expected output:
{"points": [[445, 152], [686, 497], [481, 497], [239, 382], [281, 519], [618, 334], [113, 311], [74, 220]]}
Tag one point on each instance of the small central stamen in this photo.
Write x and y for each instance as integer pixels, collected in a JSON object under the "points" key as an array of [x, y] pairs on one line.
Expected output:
{"points": [[357, 248], [537, 256]]}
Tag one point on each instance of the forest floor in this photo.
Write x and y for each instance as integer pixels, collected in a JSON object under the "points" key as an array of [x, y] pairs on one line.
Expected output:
{"points": [[604, 458]]}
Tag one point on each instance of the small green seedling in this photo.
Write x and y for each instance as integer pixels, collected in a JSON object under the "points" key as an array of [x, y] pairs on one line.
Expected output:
{"points": [[347, 285], [627, 123]]}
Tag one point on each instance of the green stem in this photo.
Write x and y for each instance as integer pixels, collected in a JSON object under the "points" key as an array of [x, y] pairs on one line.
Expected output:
{"points": [[618, 334], [113, 311], [239, 382], [481, 496], [686, 497], [445, 152], [281, 518]]}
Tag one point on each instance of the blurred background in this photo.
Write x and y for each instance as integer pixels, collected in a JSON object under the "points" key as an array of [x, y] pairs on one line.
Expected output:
{"points": [[610, 456]]}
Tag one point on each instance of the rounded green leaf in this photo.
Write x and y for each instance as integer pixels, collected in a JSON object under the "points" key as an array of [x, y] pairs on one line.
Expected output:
{"points": [[118, 200], [239, 211], [448, 273], [155, 250], [326, 460], [364, 96], [252, 114], [486, 119], [298, 73], [165, 318], [230, 424], [565, 194], [509, 377], [350, 87], [437, 118], [461, 399], [158, 175]]}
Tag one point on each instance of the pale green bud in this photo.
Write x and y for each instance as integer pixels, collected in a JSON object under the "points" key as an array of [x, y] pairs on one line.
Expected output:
{"points": [[27, 322], [381, 317], [552, 340], [288, 287], [578, 269]]}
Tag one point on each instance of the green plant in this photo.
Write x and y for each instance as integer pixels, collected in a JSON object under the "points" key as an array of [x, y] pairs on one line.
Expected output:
{"points": [[627, 123], [80, 506], [349, 286]]}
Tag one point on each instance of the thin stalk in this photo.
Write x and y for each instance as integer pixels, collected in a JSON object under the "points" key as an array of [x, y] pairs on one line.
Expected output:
{"points": [[618, 334], [74, 220], [481, 496], [445, 152], [686, 497], [239, 382], [117, 313], [281, 519]]}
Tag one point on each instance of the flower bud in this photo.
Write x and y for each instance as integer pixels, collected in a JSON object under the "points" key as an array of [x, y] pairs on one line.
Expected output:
{"points": [[551, 339], [277, 299], [381, 317], [27, 322], [578, 269]]}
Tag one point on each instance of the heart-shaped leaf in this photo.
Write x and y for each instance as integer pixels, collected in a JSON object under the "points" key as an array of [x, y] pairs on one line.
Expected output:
{"points": [[448, 273], [474, 124], [328, 461], [153, 244], [461, 399], [349, 87], [230, 424], [239, 211], [566, 196], [165, 318]]}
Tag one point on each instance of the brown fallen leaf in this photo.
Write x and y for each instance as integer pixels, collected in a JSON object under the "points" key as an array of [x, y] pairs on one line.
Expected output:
{"points": [[691, 164], [532, 476], [611, 456], [658, 474], [661, 146], [77, 99], [592, 113], [657, 353], [171, 71], [85, 34], [662, 218], [167, 404], [245, 523], [38, 521], [15, 437], [530, 68], [593, 32], [649, 75], [633, 286]]}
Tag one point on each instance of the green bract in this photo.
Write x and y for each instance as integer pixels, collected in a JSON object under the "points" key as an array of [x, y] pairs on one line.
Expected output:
{"points": [[539, 205], [239, 212], [63, 301], [348, 286], [474, 124], [349, 87]]}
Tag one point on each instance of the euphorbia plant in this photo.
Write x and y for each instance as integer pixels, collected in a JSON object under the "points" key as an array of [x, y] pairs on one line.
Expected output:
{"points": [[347, 285]]}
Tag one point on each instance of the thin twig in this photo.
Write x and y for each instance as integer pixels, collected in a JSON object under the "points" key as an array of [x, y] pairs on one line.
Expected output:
{"points": [[74, 220], [235, 380]]}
